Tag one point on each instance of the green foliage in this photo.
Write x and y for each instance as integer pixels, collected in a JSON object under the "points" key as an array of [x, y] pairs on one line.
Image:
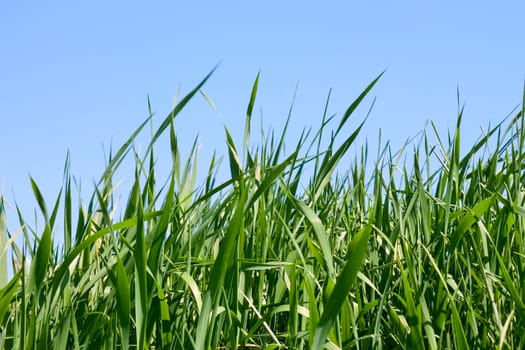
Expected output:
{"points": [[388, 255]]}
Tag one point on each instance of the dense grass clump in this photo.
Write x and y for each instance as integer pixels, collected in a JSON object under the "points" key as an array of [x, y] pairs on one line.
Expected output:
{"points": [[396, 255]]}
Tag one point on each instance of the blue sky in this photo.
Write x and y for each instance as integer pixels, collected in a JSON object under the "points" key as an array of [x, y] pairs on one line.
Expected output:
{"points": [[76, 75]]}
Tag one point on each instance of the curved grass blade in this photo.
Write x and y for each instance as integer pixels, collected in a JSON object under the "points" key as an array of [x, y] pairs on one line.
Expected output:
{"points": [[218, 274], [269, 179], [346, 279], [235, 162], [249, 112], [3, 246], [350, 110], [470, 218], [39, 198], [7, 293], [322, 236], [330, 162], [177, 109], [122, 289], [139, 255], [39, 264], [155, 251]]}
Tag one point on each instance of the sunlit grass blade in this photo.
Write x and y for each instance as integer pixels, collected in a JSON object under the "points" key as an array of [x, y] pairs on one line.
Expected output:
{"points": [[3, 245], [354, 260], [218, 273], [176, 110], [320, 234], [350, 110], [139, 255], [7, 293], [120, 281], [269, 179], [235, 162], [468, 220], [330, 162], [39, 198], [158, 236], [40, 262], [249, 112]]}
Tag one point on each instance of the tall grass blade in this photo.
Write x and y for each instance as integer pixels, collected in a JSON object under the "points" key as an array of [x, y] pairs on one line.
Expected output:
{"points": [[346, 279], [139, 255], [39, 198], [468, 220], [218, 273], [249, 112], [320, 234], [350, 110], [40, 262], [122, 289], [235, 162], [7, 293], [3, 245], [176, 110]]}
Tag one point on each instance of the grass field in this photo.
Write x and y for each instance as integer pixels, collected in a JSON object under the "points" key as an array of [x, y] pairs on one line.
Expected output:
{"points": [[292, 252]]}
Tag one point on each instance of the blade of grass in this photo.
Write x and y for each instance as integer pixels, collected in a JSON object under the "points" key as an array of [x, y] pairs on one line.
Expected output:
{"points": [[3, 245], [350, 110], [139, 254], [322, 236], [346, 279], [218, 274], [249, 112]]}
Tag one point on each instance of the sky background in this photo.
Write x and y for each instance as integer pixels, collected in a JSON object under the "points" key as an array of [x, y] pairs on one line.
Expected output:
{"points": [[76, 75]]}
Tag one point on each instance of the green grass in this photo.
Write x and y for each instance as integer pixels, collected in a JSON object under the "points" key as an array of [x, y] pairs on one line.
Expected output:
{"points": [[292, 251]]}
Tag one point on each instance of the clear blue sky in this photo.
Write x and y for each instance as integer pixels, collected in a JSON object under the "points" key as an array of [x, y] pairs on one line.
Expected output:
{"points": [[75, 75]]}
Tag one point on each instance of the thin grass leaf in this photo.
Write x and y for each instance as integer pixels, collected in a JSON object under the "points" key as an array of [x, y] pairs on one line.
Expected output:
{"points": [[39, 198], [122, 288], [346, 279], [235, 162], [192, 285], [3, 245], [141, 291], [176, 110], [61, 340], [40, 263], [269, 179], [155, 254], [222, 262], [7, 293], [460, 339], [249, 112], [350, 110], [468, 220], [320, 233], [330, 162]]}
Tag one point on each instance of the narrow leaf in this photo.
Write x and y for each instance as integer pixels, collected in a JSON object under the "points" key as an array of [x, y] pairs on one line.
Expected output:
{"points": [[346, 279]]}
